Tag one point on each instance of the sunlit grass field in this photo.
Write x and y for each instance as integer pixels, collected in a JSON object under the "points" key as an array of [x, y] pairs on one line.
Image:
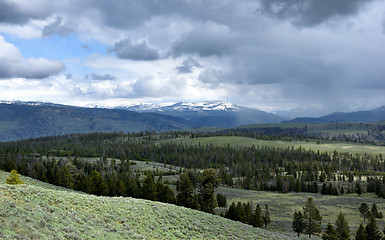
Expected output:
{"points": [[323, 146]]}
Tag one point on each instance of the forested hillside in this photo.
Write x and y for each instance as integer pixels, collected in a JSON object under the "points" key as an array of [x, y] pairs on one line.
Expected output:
{"points": [[21, 121]]}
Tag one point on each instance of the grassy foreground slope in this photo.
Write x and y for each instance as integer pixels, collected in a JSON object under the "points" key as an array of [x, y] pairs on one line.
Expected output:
{"points": [[34, 211]]}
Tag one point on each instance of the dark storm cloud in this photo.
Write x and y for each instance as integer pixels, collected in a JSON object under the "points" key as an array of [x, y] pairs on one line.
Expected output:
{"points": [[11, 13], [57, 28], [126, 49], [188, 66], [95, 76], [211, 39], [309, 13], [127, 14]]}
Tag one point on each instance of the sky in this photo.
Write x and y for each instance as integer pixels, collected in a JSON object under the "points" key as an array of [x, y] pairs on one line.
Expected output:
{"points": [[292, 57]]}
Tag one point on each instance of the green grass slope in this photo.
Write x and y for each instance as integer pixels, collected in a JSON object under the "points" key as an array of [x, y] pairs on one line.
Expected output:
{"points": [[324, 146], [37, 211]]}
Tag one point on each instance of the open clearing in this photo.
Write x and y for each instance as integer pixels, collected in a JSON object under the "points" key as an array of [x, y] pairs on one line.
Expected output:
{"points": [[324, 146]]}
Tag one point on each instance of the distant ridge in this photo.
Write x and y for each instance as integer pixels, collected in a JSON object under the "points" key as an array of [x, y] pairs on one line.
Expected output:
{"points": [[21, 120], [210, 113], [374, 115]]}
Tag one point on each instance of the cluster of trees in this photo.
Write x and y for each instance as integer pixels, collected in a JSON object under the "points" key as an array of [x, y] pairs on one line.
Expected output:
{"points": [[367, 212], [309, 222], [245, 213], [376, 185], [204, 199]]}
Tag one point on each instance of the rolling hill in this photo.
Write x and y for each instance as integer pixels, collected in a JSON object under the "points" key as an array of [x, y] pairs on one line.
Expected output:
{"points": [[29, 120], [40, 211]]}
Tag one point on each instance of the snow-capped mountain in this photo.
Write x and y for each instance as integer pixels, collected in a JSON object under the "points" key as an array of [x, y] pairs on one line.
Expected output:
{"points": [[30, 103], [183, 106], [210, 113]]}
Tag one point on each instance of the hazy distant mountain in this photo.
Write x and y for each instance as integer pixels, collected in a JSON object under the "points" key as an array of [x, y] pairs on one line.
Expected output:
{"points": [[210, 114], [374, 115], [20, 120]]}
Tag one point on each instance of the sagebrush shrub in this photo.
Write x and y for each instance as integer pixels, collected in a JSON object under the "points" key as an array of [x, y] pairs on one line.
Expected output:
{"points": [[14, 178]]}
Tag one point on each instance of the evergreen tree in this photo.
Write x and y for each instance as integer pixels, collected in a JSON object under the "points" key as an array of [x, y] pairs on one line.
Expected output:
{"points": [[185, 189], [121, 188], [364, 211], [312, 218], [65, 178], [241, 212], [13, 178], [358, 189], [257, 220], [149, 188], [374, 211], [266, 216], [361, 233], [342, 227], [221, 200], [97, 184], [371, 229], [232, 212], [298, 223], [330, 233], [248, 213], [208, 182]]}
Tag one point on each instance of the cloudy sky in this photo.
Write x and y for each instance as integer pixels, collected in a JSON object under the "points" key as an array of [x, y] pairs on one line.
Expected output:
{"points": [[308, 56]]}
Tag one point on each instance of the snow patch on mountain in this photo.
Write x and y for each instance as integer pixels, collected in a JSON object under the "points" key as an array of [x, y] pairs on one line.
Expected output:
{"points": [[183, 106]]}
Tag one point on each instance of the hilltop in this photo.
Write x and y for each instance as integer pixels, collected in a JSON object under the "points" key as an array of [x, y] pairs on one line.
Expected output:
{"points": [[39, 211]]}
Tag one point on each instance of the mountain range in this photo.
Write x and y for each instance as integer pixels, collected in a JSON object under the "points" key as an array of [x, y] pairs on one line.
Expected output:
{"points": [[373, 115], [21, 120], [210, 114]]}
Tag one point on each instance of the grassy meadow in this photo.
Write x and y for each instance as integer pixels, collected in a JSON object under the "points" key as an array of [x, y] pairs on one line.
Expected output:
{"points": [[323, 146]]}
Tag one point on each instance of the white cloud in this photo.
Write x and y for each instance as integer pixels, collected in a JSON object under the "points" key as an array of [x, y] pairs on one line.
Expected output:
{"points": [[13, 64]]}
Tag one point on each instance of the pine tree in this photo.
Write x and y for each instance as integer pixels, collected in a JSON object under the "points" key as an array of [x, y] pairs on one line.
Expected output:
{"points": [[248, 213], [185, 189], [97, 184], [298, 223], [371, 229], [14, 178], [266, 216], [358, 189], [222, 200], [330, 233], [312, 218], [257, 220], [208, 182], [361, 233], [232, 213], [149, 188], [374, 211], [342, 227], [364, 211], [65, 177]]}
